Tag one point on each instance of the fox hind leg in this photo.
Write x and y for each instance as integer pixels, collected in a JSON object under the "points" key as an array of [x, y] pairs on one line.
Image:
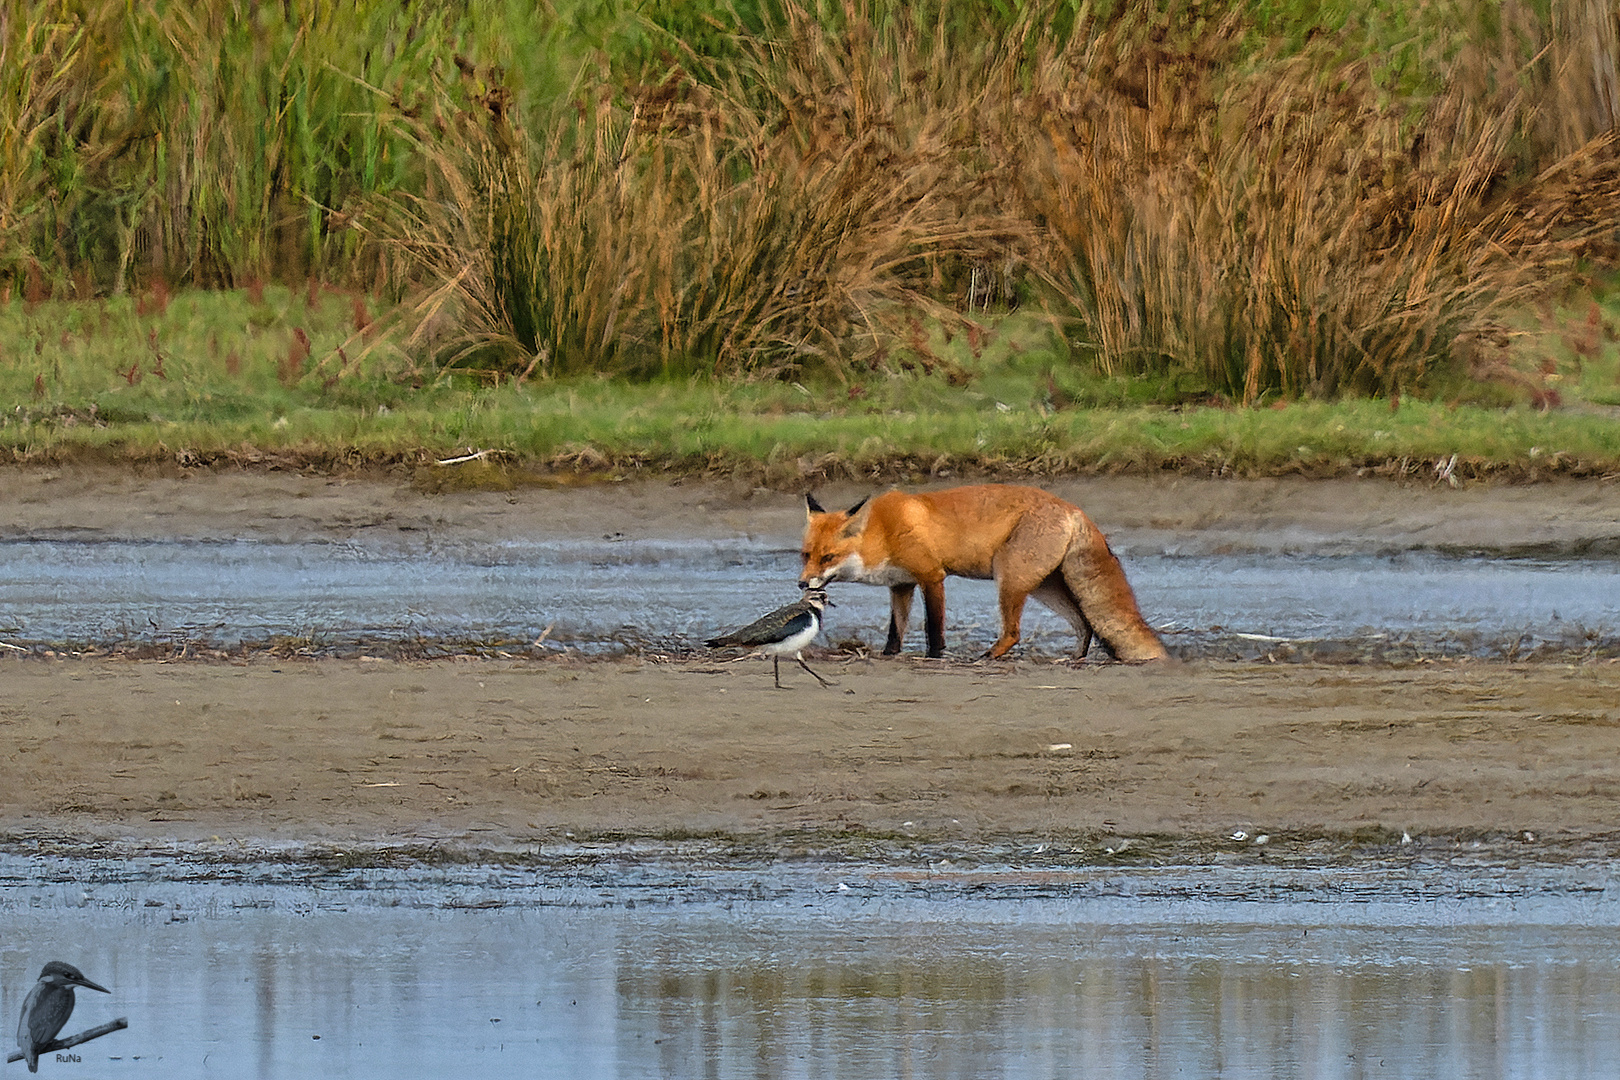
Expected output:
{"points": [[1027, 565], [1014, 586], [1054, 593], [1029, 559], [1012, 620]]}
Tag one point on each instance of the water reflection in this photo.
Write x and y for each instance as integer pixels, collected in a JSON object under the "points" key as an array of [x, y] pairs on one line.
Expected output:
{"points": [[1154, 1001], [817, 971]]}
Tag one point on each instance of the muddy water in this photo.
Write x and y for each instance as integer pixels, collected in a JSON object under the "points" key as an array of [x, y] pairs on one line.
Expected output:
{"points": [[670, 594], [645, 967]]}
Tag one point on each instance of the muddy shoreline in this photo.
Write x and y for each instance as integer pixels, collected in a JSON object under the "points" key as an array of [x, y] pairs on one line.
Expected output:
{"points": [[491, 753], [376, 758]]}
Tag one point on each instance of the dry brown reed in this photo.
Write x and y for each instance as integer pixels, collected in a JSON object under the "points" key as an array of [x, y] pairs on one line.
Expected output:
{"points": [[1281, 229], [1276, 225], [774, 216], [831, 168]]}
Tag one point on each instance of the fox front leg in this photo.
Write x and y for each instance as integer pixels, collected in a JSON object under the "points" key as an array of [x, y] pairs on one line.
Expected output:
{"points": [[899, 616], [934, 616]]}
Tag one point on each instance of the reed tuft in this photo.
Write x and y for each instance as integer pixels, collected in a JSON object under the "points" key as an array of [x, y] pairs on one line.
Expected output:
{"points": [[1280, 228], [771, 216]]}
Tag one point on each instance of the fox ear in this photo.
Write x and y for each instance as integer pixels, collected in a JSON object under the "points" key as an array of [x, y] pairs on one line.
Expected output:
{"points": [[852, 525], [811, 506]]}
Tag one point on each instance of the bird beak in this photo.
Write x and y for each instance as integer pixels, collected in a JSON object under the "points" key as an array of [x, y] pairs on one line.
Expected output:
{"points": [[88, 985]]}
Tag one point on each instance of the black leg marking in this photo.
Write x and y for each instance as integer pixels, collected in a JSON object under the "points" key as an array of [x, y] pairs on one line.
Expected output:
{"points": [[899, 614], [934, 617], [892, 646], [936, 631]]}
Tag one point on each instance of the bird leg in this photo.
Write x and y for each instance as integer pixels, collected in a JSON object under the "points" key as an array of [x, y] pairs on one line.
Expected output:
{"points": [[806, 667]]}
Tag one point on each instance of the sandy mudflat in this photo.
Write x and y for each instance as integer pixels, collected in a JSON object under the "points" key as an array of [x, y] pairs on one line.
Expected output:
{"points": [[502, 751]]}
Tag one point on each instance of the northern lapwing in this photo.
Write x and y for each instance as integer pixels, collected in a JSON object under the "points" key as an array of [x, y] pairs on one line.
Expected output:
{"points": [[784, 632], [47, 1008]]}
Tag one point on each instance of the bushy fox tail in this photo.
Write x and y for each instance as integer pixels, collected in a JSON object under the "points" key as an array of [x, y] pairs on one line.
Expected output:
{"points": [[1093, 574]]}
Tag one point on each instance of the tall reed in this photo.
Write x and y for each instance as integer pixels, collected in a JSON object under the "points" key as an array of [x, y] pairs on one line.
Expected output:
{"points": [[1278, 228], [759, 220], [41, 82], [221, 141]]}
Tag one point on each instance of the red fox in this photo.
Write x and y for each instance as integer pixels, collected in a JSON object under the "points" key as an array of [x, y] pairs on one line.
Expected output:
{"points": [[1030, 542]]}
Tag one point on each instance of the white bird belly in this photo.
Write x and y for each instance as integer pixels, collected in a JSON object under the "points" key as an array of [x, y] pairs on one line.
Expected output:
{"points": [[790, 646]]}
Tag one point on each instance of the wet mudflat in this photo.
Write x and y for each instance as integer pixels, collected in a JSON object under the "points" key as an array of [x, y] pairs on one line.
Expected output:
{"points": [[1272, 858], [1342, 571], [691, 962], [613, 723], [612, 596]]}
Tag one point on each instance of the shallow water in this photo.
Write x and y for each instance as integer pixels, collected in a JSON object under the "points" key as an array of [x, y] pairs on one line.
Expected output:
{"points": [[648, 967], [670, 595]]}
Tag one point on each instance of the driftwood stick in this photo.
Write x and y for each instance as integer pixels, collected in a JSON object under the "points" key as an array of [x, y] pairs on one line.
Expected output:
{"points": [[477, 456], [74, 1040]]}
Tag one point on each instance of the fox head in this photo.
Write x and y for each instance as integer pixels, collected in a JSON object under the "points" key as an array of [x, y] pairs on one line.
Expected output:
{"points": [[831, 540]]}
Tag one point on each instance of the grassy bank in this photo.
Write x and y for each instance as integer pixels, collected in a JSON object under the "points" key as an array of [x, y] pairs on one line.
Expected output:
{"points": [[315, 377]]}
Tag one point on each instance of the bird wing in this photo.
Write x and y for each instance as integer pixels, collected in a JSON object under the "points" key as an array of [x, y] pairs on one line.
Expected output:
{"points": [[768, 628], [44, 1014], [801, 622]]}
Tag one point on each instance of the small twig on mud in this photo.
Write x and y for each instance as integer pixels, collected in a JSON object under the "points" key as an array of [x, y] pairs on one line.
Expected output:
{"points": [[74, 1040], [541, 640], [9, 645], [478, 456]]}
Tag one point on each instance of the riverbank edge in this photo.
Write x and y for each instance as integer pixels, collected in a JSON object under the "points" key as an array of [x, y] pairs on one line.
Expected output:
{"points": [[501, 470], [1042, 856]]}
